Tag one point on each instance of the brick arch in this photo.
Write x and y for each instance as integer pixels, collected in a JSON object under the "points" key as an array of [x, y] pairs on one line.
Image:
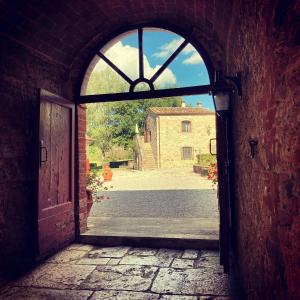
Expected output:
{"points": [[64, 30], [200, 30], [68, 32]]}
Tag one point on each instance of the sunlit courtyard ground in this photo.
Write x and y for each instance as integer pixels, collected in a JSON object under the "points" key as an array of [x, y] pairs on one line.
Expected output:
{"points": [[173, 203]]}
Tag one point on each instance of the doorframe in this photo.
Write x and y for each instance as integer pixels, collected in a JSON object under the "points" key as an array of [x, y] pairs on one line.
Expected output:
{"points": [[224, 194]]}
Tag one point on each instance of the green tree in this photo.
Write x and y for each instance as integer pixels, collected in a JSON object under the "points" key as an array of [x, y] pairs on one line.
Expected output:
{"points": [[99, 128], [126, 114]]}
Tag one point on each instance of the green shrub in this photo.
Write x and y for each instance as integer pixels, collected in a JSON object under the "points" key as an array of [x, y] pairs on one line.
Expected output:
{"points": [[205, 160]]}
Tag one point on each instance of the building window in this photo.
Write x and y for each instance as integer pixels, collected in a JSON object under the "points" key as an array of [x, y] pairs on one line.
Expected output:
{"points": [[187, 153], [186, 126]]}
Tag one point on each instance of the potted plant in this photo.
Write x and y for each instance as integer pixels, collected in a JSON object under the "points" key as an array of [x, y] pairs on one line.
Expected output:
{"points": [[197, 166], [203, 163], [94, 184]]}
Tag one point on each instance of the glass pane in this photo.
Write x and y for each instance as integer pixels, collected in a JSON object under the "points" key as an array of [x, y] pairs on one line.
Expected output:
{"points": [[188, 67], [187, 153], [142, 86], [124, 53], [203, 101], [103, 79], [186, 126], [158, 47]]}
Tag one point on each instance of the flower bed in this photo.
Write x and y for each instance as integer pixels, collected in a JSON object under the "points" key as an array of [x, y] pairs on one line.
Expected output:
{"points": [[213, 173]]}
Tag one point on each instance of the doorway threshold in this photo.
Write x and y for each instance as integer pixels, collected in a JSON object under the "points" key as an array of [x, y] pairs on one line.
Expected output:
{"points": [[193, 233]]}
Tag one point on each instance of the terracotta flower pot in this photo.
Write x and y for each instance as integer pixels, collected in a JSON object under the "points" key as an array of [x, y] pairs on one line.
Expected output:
{"points": [[107, 173], [90, 201], [197, 169]]}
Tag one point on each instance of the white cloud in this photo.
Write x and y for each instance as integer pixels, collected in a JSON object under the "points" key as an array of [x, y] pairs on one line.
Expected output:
{"points": [[194, 59], [126, 59], [167, 49]]}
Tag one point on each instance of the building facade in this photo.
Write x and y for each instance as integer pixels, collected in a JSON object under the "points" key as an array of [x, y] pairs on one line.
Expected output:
{"points": [[176, 135]]}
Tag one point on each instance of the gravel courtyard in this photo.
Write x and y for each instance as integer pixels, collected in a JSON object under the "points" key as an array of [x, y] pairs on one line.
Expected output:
{"points": [[167, 202]]}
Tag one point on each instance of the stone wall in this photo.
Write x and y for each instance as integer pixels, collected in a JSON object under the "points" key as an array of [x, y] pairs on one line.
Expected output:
{"points": [[264, 44], [172, 139], [80, 195], [152, 126]]}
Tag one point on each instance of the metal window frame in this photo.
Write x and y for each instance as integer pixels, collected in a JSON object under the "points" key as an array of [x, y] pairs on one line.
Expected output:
{"points": [[182, 151], [189, 126], [152, 93]]}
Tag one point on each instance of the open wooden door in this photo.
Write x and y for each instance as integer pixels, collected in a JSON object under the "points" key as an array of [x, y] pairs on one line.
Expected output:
{"points": [[56, 221]]}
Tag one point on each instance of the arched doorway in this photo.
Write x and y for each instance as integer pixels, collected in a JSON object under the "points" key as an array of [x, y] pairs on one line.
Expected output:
{"points": [[142, 83]]}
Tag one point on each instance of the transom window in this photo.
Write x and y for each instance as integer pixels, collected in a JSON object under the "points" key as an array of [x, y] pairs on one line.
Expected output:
{"points": [[139, 65], [187, 153], [186, 126]]}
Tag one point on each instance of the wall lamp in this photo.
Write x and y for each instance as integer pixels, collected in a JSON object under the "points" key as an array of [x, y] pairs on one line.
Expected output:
{"points": [[222, 90]]}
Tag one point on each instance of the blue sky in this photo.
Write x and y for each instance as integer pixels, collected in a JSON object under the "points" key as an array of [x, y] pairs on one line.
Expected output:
{"points": [[188, 69]]}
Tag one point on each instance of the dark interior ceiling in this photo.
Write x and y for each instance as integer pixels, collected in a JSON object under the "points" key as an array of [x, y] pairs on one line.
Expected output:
{"points": [[67, 31]]}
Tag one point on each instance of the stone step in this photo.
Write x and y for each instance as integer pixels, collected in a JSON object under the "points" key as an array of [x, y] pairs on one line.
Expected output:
{"points": [[157, 242]]}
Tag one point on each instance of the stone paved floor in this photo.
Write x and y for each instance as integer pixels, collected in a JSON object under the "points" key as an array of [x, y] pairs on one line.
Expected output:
{"points": [[123, 273]]}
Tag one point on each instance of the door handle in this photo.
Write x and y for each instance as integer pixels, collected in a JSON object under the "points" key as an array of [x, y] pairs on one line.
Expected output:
{"points": [[43, 153]]}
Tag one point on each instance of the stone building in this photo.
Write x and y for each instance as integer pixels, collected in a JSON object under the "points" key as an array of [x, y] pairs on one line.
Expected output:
{"points": [[174, 136]]}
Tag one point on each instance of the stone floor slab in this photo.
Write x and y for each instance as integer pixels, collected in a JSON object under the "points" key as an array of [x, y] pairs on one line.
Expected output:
{"points": [[60, 276], [114, 261], [115, 252], [209, 253], [67, 256], [215, 298], [191, 281], [142, 251], [121, 277], [163, 252], [180, 263], [93, 261], [81, 247], [178, 297], [123, 295], [158, 261], [208, 261], [191, 254], [24, 293]]}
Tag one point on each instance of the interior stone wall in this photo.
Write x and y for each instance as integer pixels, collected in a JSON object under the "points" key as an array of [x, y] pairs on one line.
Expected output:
{"points": [[22, 73], [264, 44]]}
